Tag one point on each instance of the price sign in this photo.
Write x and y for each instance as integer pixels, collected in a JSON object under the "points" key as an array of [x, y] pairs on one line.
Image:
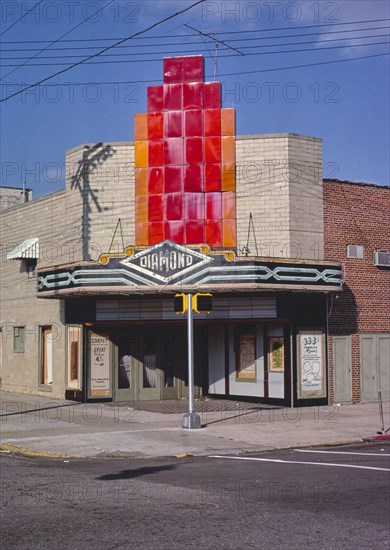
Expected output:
{"points": [[311, 370], [99, 365]]}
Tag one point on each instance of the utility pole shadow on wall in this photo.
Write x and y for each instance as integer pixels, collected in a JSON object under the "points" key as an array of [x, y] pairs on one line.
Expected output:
{"points": [[93, 157]]}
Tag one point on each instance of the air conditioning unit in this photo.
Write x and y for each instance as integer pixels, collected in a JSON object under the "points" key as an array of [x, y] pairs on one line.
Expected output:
{"points": [[382, 259]]}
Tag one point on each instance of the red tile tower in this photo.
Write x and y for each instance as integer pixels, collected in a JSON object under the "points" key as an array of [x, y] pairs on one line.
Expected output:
{"points": [[185, 161]]}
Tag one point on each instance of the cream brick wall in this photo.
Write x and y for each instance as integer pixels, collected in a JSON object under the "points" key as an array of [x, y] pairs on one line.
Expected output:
{"points": [[279, 182], [102, 175], [43, 218], [75, 224]]}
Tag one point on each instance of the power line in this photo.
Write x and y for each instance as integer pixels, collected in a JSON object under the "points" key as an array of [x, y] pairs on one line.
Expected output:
{"points": [[184, 10], [220, 33], [132, 46], [54, 41], [215, 39], [306, 65], [114, 61], [21, 17], [151, 81], [162, 52]]}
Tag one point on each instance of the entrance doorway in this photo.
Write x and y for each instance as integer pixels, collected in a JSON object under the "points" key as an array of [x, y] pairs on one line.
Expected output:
{"points": [[342, 369], [150, 363]]}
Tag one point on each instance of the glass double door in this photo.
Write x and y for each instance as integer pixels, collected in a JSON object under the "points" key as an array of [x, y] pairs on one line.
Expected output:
{"points": [[150, 363]]}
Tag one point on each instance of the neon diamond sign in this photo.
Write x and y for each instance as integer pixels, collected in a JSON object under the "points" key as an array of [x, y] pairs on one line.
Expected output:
{"points": [[166, 262]]}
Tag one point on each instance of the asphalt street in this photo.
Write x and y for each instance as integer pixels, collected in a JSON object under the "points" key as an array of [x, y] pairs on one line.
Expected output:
{"points": [[321, 497]]}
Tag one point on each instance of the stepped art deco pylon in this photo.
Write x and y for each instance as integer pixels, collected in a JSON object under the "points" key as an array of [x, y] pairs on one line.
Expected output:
{"points": [[185, 172]]}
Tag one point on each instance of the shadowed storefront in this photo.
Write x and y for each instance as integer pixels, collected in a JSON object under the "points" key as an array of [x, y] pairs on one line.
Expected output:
{"points": [[265, 314]]}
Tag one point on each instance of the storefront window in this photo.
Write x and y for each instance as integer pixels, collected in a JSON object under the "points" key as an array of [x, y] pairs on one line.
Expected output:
{"points": [[149, 371], [276, 354], [124, 380], [246, 354], [168, 361]]}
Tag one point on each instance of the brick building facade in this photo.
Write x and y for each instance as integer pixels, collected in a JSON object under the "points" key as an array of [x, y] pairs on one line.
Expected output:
{"points": [[76, 226], [357, 215]]}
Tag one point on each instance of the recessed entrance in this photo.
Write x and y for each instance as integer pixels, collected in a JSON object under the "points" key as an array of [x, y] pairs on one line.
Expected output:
{"points": [[150, 363]]}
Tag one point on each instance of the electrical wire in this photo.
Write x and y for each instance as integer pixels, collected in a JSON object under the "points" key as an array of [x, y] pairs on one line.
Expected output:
{"points": [[21, 17], [246, 32], [154, 25], [151, 81], [132, 46], [55, 41], [222, 48], [306, 65], [113, 61]]}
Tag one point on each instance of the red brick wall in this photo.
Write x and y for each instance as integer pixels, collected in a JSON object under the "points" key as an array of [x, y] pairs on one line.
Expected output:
{"points": [[357, 214]]}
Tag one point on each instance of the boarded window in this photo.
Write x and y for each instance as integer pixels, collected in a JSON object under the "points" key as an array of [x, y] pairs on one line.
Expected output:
{"points": [[19, 339]]}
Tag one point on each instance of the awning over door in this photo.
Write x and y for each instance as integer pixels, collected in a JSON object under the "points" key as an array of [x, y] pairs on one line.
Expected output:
{"points": [[28, 249]]}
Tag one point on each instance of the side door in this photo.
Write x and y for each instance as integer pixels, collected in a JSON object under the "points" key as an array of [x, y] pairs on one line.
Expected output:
{"points": [[374, 366], [342, 369]]}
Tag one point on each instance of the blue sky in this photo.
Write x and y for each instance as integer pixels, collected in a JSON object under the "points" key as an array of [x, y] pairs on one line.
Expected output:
{"points": [[336, 97]]}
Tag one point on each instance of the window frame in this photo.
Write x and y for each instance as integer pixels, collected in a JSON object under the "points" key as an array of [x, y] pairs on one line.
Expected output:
{"points": [[359, 251], [245, 330], [76, 383], [42, 384]]}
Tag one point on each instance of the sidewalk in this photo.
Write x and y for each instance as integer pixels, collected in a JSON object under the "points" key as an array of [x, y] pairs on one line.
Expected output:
{"points": [[65, 428]]}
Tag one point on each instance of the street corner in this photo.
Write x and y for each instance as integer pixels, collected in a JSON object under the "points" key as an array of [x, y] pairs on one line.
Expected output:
{"points": [[10, 448]]}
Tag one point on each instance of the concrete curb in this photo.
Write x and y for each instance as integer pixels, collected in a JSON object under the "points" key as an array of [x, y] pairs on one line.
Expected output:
{"points": [[379, 438], [8, 448]]}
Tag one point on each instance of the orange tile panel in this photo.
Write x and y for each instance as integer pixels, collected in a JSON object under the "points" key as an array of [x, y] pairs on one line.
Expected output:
{"points": [[141, 181], [229, 205], [140, 127], [141, 208], [229, 234], [228, 176], [141, 234], [228, 147], [141, 154], [228, 126]]}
